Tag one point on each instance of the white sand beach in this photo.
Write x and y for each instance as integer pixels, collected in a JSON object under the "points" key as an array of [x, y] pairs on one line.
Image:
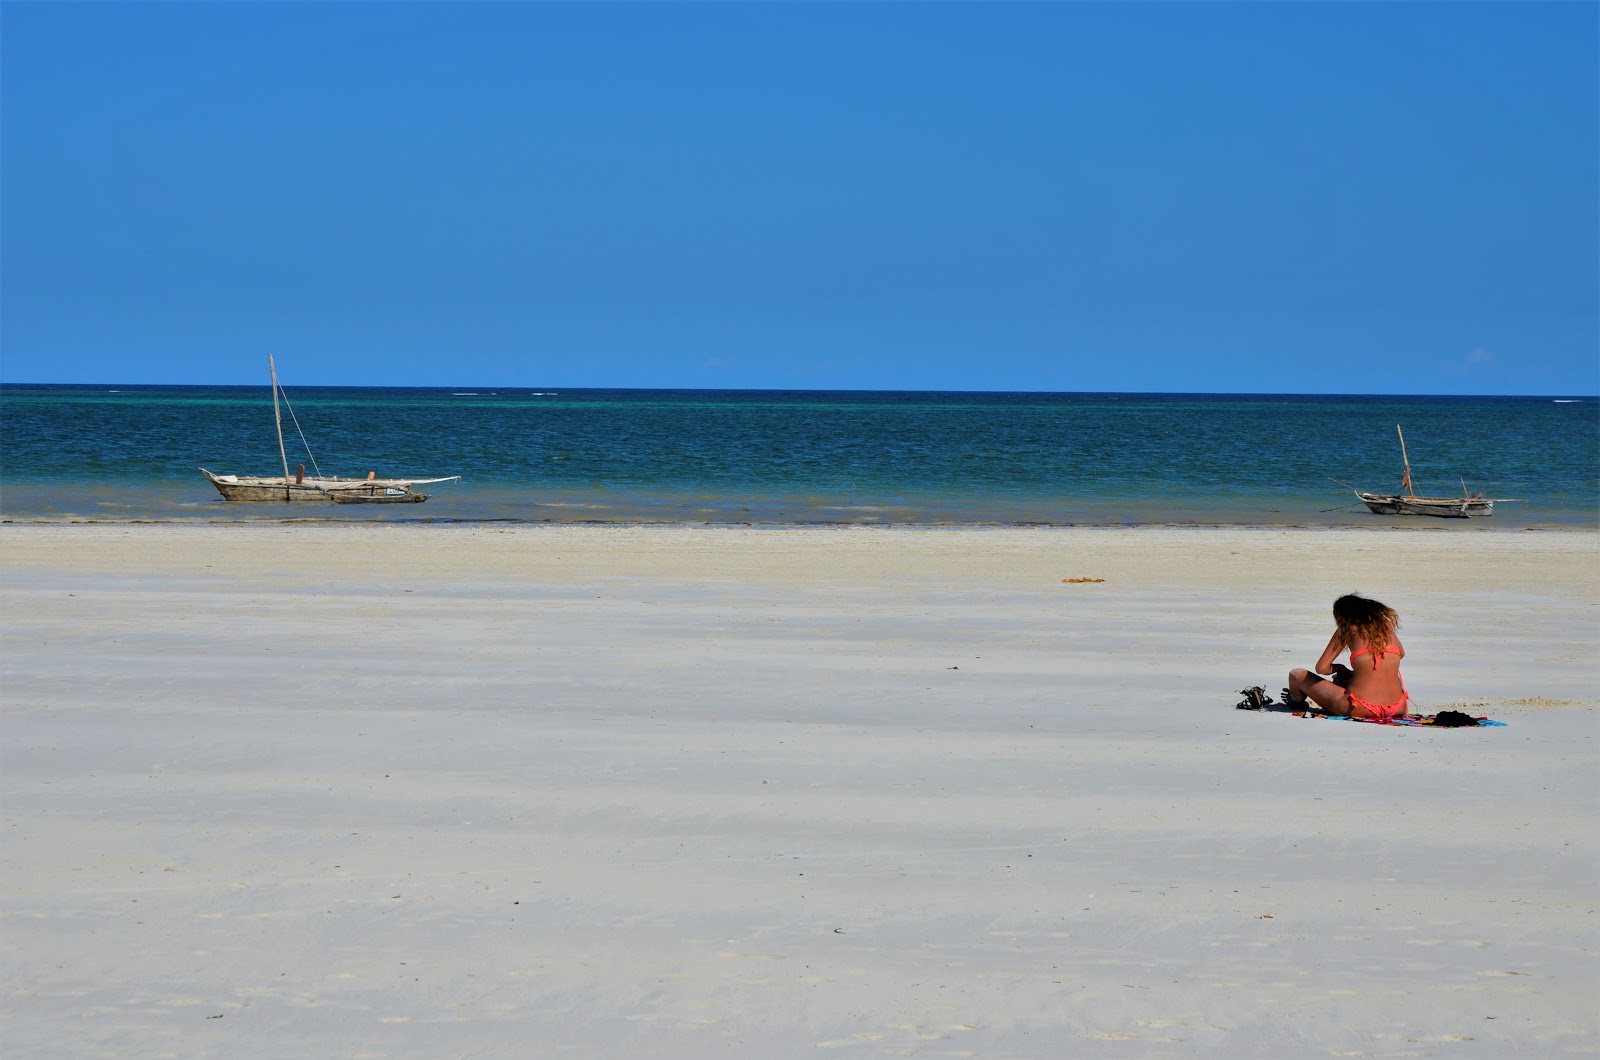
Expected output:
{"points": [[436, 791]]}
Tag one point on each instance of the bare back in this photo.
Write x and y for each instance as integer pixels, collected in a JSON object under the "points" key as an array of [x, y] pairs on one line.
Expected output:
{"points": [[1377, 673]]}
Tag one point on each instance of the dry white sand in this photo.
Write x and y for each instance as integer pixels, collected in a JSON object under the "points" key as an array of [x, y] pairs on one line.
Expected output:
{"points": [[284, 791]]}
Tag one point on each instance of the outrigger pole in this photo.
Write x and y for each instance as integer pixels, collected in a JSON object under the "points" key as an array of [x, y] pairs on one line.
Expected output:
{"points": [[278, 418]]}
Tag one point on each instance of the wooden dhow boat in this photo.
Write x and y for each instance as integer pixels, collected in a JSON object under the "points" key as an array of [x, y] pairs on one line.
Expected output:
{"points": [[320, 488], [1470, 503]]}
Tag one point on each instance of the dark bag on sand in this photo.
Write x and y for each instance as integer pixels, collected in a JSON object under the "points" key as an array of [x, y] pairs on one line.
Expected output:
{"points": [[1255, 698], [1453, 719]]}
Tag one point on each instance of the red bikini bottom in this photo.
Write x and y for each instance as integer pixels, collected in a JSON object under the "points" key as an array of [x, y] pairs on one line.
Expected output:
{"points": [[1382, 711]]}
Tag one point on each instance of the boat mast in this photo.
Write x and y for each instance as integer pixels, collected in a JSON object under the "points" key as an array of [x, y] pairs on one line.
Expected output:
{"points": [[1405, 481], [278, 418]]}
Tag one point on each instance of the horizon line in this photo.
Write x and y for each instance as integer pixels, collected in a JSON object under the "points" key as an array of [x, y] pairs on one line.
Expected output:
{"points": [[548, 388]]}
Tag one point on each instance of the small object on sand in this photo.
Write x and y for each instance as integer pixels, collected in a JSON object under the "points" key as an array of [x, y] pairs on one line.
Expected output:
{"points": [[1255, 698], [1080, 581]]}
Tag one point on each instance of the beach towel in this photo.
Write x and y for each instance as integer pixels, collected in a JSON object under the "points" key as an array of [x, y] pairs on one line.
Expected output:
{"points": [[1409, 719], [1256, 698]]}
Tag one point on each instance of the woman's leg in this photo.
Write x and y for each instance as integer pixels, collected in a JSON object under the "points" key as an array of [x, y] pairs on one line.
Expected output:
{"points": [[1303, 685]]}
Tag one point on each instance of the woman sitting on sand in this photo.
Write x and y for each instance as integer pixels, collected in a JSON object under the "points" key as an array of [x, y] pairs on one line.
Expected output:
{"points": [[1370, 687]]}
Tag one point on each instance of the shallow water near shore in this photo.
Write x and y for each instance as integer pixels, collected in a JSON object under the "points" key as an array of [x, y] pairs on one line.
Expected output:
{"points": [[130, 453]]}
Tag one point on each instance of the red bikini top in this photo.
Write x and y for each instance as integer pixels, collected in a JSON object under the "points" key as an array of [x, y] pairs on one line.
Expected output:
{"points": [[1377, 656]]}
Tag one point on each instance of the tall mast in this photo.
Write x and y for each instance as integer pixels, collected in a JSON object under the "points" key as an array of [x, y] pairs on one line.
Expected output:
{"points": [[1405, 481], [278, 418]]}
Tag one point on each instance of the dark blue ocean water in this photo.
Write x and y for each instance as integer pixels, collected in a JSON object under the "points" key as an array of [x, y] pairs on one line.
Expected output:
{"points": [[130, 453]]}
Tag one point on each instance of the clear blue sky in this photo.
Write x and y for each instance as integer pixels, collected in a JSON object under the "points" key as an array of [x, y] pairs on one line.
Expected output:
{"points": [[1346, 198]]}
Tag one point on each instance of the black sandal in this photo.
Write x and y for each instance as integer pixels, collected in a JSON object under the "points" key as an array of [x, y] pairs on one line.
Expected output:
{"points": [[1255, 698]]}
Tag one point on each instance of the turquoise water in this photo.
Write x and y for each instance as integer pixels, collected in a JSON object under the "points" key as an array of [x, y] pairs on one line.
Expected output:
{"points": [[123, 453]]}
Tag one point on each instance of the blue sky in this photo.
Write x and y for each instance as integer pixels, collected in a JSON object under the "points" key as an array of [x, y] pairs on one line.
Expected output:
{"points": [[1306, 198]]}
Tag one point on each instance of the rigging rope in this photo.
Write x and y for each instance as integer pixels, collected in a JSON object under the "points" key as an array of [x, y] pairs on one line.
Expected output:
{"points": [[301, 433]]}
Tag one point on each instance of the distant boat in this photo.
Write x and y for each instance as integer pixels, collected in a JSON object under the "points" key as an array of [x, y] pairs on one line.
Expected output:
{"points": [[1470, 503], [301, 487]]}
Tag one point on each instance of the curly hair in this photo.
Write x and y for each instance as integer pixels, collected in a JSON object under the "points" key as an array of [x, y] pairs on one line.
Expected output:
{"points": [[1366, 621]]}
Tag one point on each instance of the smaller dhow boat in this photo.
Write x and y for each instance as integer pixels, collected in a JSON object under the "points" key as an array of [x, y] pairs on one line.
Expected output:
{"points": [[301, 487], [1470, 503]]}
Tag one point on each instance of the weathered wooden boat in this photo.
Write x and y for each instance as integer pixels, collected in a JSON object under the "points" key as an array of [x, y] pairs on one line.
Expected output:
{"points": [[1470, 503], [1443, 507], [300, 489], [320, 488]]}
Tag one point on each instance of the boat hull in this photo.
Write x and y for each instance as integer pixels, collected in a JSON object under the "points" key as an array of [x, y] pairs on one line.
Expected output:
{"points": [[252, 489], [1438, 507], [375, 494], [1446, 508]]}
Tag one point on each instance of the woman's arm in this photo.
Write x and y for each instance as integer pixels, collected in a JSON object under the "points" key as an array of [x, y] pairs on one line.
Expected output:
{"points": [[1331, 652]]}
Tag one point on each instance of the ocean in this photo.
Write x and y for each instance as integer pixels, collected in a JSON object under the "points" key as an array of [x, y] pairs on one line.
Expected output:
{"points": [[130, 453]]}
